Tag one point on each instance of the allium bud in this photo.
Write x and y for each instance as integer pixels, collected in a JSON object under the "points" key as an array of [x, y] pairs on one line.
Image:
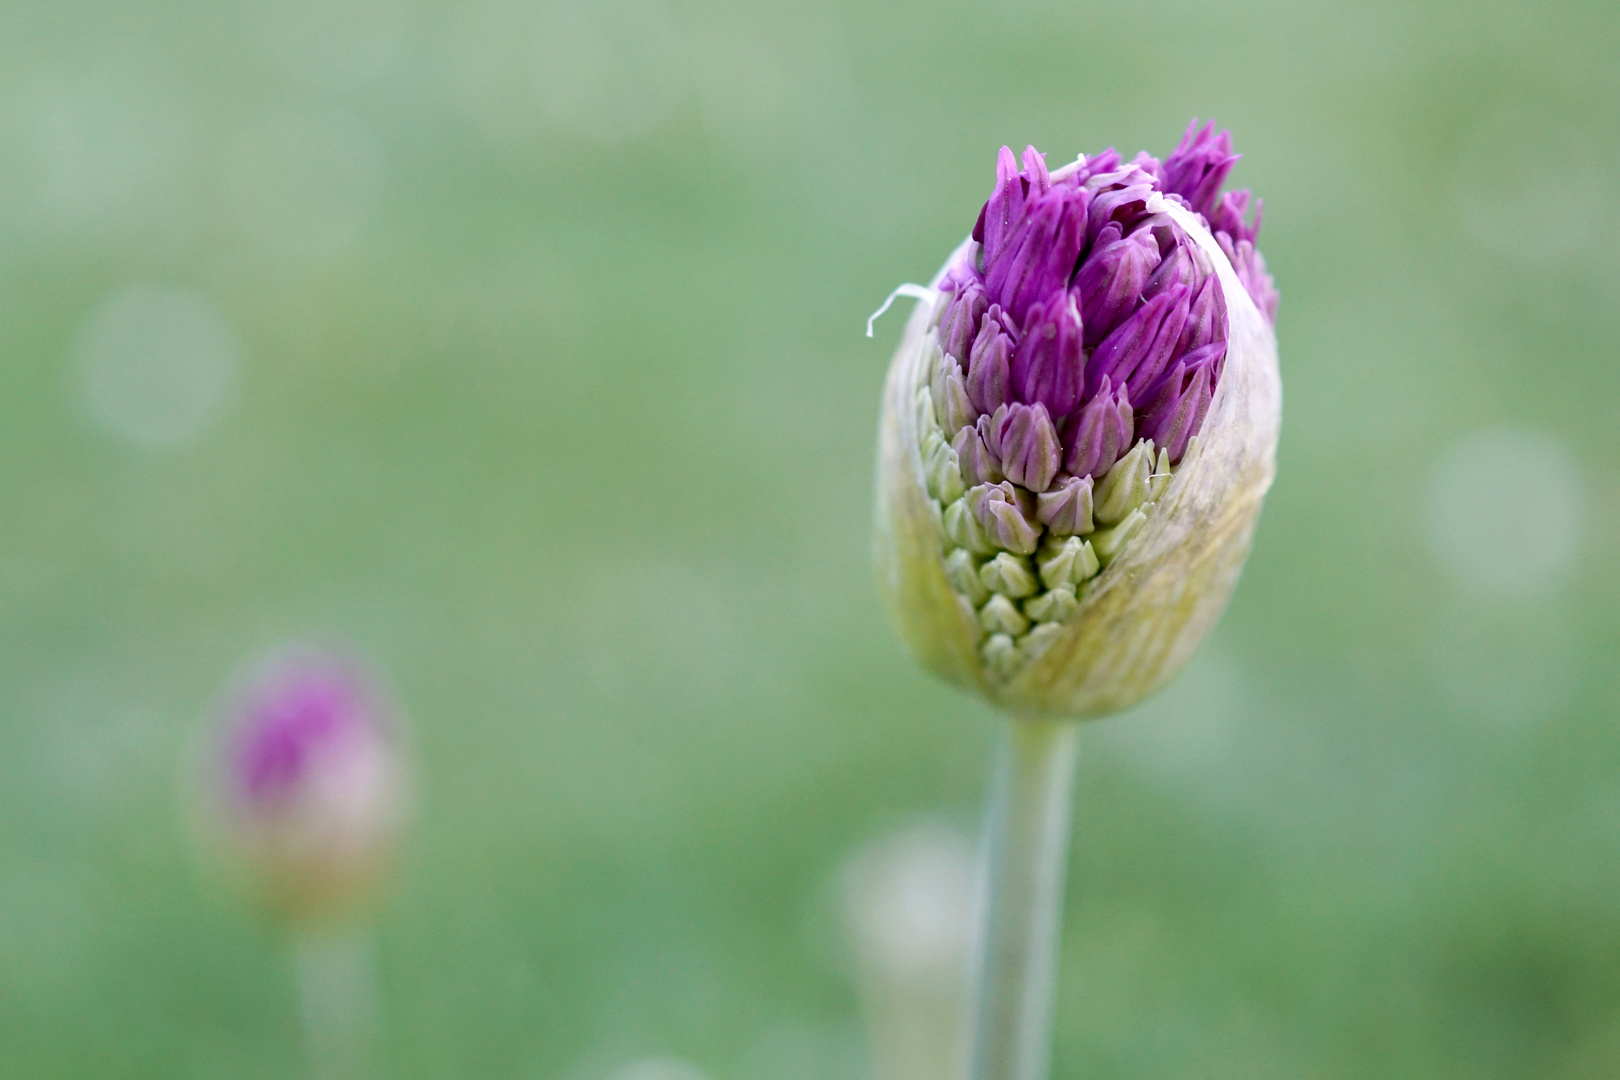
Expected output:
{"points": [[1115, 429], [305, 783]]}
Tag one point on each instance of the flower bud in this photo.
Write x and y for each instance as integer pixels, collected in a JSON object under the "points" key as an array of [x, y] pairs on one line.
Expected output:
{"points": [[1023, 437], [305, 784], [1066, 510], [1118, 411], [1126, 486]]}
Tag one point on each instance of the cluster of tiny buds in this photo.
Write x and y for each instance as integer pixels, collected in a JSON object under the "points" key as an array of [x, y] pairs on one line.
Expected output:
{"points": [[1073, 353], [1018, 556]]}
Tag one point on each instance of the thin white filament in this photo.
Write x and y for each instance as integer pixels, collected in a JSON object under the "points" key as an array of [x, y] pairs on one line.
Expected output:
{"points": [[916, 292]]}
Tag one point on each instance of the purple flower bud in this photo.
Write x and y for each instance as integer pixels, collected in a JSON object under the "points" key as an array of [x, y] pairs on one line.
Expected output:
{"points": [[308, 789], [1177, 268], [1081, 292], [1177, 402], [1206, 317], [1136, 352], [1040, 255], [978, 464], [1010, 199], [1119, 197], [956, 409], [1066, 508], [1048, 365], [1229, 216], [1003, 519], [1099, 433], [959, 322], [988, 381], [1027, 443], [1199, 165], [1251, 271], [1112, 278]]}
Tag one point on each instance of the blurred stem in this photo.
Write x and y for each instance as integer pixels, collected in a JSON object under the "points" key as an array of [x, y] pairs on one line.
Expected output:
{"points": [[1027, 838], [337, 1003]]}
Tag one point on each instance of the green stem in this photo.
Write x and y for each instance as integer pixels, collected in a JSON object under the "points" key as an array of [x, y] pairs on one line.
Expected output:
{"points": [[1027, 833], [337, 999]]}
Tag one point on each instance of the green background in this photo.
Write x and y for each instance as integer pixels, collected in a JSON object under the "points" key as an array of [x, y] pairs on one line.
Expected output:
{"points": [[549, 390]]}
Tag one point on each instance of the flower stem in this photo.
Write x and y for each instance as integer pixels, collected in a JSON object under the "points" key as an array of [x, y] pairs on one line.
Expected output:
{"points": [[337, 1003], [1027, 834]]}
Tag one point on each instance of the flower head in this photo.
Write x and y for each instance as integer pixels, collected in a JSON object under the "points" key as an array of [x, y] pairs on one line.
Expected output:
{"points": [[1090, 386], [305, 782]]}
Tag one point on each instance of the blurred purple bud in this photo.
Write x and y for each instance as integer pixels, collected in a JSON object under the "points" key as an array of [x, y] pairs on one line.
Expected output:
{"points": [[1066, 508], [308, 787], [1099, 433], [1251, 271], [1048, 365]]}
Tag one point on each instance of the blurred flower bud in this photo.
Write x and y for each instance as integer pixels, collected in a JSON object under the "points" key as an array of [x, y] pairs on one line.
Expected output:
{"points": [[305, 785], [1099, 356]]}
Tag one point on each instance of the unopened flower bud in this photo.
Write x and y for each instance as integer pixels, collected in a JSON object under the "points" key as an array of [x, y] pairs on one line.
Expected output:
{"points": [[1048, 366], [1066, 509], [979, 465], [1099, 433], [1054, 605], [961, 527], [1001, 616], [963, 570], [1003, 518], [1023, 437], [1127, 485], [1112, 280], [1009, 575], [989, 371], [951, 403], [944, 472], [305, 784], [1108, 543], [1122, 342], [960, 321], [1067, 563]]}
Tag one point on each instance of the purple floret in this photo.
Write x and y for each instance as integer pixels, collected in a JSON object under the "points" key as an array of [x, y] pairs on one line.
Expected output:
{"points": [[1079, 313], [301, 708]]}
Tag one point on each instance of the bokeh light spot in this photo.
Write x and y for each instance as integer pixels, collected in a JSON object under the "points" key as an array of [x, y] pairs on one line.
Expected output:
{"points": [[156, 363], [660, 1068], [909, 901]]}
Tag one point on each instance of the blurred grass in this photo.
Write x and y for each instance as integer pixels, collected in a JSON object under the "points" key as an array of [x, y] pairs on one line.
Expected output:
{"points": [[574, 435]]}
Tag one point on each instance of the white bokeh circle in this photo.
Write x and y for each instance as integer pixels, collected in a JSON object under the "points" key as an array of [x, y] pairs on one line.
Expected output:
{"points": [[155, 364]]}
